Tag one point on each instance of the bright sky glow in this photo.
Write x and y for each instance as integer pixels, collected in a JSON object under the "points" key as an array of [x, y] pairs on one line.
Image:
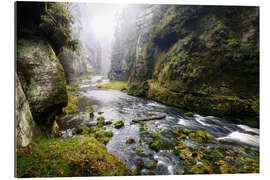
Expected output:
{"points": [[103, 18]]}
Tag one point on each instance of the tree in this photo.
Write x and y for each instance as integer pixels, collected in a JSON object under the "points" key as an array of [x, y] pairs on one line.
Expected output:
{"points": [[56, 25]]}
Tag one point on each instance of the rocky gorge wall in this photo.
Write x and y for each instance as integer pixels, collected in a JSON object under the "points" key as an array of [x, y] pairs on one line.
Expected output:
{"points": [[25, 124], [200, 58], [42, 79], [124, 47]]}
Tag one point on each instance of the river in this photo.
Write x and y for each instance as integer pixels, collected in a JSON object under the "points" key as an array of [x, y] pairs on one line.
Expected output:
{"points": [[117, 105]]}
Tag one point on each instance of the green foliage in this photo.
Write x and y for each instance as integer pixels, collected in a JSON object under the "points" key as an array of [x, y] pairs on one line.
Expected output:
{"points": [[72, 106], [69, 157], [56, 25]]}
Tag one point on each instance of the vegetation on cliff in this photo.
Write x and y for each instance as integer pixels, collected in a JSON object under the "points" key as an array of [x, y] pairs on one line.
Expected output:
{"points": [[201, 58]]}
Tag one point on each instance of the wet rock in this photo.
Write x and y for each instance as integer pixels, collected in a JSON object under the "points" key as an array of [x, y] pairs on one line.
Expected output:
{"points": [[152, 165], [118, 124], [130, 141], [93, 123], [139, 150]]}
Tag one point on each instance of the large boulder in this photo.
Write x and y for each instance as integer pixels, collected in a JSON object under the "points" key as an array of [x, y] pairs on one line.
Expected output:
{"points": [[25, 125], [42, 79]]}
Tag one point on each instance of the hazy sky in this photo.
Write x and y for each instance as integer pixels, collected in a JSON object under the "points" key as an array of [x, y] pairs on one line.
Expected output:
{"points": [[103, 18]]}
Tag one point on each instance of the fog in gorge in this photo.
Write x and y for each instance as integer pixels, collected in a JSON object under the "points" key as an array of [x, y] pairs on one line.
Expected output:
{"points": [[94, 26]]}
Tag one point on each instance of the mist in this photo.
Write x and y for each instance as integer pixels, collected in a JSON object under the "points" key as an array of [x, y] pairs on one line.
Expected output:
{"points": [[94, 25]]}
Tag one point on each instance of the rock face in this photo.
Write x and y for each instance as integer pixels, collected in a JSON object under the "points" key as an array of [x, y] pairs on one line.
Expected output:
{"points": [[124, 47], [25, 125], [80, 62], [200, 58], [42, 79]]}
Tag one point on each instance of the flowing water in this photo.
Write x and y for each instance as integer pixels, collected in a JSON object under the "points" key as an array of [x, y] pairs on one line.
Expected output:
{"points": [[117, 105]]}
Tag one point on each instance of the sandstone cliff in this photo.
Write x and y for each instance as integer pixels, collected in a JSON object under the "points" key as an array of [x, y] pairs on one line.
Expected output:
{"points": [[25, 124], [200, 58], [42, 79]]}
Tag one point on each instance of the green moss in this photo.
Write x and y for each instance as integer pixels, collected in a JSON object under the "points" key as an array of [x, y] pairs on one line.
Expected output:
{"points": [[118, 124], [139, 150], [198, 169], [97, 132], [117, 85], [154, 134], [191, 161], [100, 113], [142, 129], [72, 106], [222, 141], [101, 121], [157, 145], [78, 130], [67, 157], [189, 114], [108, 122], [152, 165], [130, 141], [90, 109], [182, 156]]}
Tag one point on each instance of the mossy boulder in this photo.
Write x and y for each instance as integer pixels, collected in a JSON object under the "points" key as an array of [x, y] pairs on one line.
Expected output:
{"points": [[130, 141], [118, 124], [138, 150], [152, 165], [158, 145], [189, 114], [42, 79]]}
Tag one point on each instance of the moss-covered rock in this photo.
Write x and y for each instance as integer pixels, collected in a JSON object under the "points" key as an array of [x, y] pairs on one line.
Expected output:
{"points": [[118, 124], [42, 79], [152, 165], [157, 145], [138, 150], [130, 141], [189, 114], [199, 59]]}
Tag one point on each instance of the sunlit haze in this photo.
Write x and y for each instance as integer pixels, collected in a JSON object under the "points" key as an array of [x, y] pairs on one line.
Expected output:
{"points": [[103, 18]]}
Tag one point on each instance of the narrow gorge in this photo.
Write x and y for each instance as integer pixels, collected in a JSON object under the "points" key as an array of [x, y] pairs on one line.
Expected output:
{"points": [[138, 89]]}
